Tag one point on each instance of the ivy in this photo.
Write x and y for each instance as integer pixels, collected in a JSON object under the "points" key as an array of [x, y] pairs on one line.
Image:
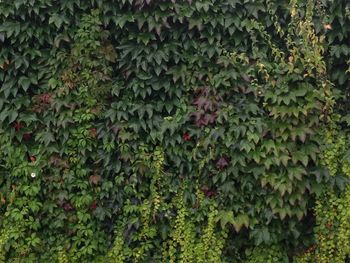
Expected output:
{"points": [[332, 230], [174, 131]]}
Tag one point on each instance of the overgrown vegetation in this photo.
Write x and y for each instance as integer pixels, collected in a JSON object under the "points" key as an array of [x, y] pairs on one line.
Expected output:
{"points": [[174, 131]]}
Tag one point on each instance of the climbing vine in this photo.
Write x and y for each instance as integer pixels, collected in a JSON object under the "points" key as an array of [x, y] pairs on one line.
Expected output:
{"points": [[332, 216], [174, 131]]}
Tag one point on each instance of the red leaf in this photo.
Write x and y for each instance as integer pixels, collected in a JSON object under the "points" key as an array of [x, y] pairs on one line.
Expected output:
{"points": [[26, 136], [46, 98], [67, 206], [222, 162], [17, 126], [93, 132], [186, 137], [95, 179], [93, 205]]}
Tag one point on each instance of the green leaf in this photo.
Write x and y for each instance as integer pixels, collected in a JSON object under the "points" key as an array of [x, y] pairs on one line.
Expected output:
{"points": [[24, 82], [12, 116]]}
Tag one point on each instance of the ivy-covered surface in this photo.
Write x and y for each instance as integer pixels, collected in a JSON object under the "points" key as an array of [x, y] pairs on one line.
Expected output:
{"points": [[174, 131]]}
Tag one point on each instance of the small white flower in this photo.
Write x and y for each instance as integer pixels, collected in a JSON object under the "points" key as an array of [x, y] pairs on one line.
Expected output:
{"points": [[33, 175]]}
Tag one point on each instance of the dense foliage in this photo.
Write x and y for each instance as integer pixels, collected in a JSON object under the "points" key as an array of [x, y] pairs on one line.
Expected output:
{"points": [[174, 131]]}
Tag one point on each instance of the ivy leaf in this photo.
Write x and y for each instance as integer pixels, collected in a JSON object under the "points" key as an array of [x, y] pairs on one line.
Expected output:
{"points": [[94, 179], [24, 82], [240, 221], [12, 116], [45, 137], [225, 217], [56, 19]]}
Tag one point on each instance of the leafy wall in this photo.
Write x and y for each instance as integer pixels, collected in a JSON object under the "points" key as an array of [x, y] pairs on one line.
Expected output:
{"points": [[172, 131]]}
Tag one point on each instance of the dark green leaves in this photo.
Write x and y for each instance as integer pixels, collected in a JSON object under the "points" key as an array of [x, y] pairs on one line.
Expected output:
{"points": [[221, 101]]}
